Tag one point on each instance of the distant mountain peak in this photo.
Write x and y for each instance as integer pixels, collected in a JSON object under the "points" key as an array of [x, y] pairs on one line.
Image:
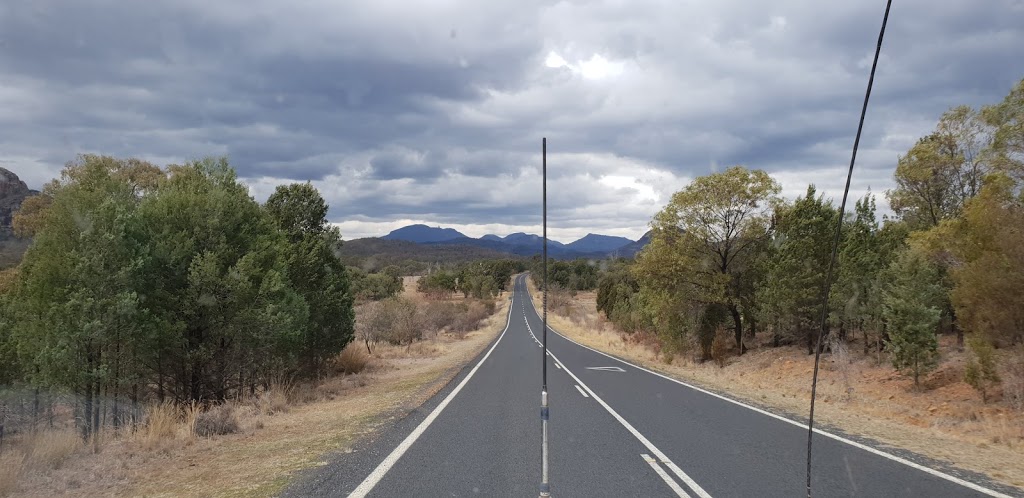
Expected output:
{"points": [[423, 233], [593, 243]]}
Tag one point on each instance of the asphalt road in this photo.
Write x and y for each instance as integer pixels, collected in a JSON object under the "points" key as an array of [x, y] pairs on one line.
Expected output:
{"points": [[615, 430]]}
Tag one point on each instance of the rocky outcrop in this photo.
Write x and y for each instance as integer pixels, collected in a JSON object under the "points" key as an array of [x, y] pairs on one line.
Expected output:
{"points": [[12, 192]]}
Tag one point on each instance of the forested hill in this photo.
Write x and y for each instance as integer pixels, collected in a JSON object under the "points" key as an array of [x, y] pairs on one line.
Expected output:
{"points": [[373, 253]]}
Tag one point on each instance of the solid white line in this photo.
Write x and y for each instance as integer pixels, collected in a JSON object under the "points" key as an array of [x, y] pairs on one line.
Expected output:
{"points": [[643, 440], [378, 473], [936, 473], [664, 476], [580, 389]]}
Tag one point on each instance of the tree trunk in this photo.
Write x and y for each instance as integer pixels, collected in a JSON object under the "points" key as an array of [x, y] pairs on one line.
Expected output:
{"points": [[87, 411], [96, 407], [35, 409], [953, 324], [738, 324]]}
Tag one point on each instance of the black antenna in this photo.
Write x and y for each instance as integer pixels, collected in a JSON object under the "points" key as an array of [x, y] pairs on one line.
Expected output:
{"points": [[545, 488], [827, 288]]}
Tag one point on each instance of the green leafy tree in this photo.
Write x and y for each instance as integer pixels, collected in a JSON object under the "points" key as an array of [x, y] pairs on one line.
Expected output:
{"points": [[911, 311], [316, 273], [439, 283], [942, 171], [855, 296], [618, 297], [374, 286], [704, 244], [791, 295], [74, 313]]}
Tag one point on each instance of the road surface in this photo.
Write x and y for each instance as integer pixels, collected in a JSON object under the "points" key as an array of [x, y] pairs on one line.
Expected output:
{"points": [[615, 430]]}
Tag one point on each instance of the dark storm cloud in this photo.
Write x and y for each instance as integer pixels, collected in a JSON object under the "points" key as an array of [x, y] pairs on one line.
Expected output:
{"points": [[399, 110]]}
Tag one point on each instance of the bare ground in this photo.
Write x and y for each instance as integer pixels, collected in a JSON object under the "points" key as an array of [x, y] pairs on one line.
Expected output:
{"points": [[946, 420], [269, 449]]}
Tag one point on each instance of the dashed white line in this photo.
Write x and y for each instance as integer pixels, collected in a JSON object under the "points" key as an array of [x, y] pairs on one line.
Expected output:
{"points": [[664, 476], [584, 393], [699, 491]]}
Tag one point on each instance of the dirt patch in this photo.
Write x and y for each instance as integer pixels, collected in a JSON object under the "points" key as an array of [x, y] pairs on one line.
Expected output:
{"points": [[946, 420]]}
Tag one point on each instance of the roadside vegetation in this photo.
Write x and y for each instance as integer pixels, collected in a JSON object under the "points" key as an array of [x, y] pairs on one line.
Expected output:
{"points": [[925, 328], [162, 315]]}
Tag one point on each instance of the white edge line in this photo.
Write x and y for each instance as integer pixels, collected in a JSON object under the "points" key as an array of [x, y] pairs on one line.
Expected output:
{"points": [[378, 473], [643, 440], [584, 393], [664, 475], [890, 456]]}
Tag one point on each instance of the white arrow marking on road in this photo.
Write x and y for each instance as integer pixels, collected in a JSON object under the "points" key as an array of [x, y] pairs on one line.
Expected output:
{"points": [[606, 369]]}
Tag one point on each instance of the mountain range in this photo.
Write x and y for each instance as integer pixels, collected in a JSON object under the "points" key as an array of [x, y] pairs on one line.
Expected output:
{"points": [[522, 244]]}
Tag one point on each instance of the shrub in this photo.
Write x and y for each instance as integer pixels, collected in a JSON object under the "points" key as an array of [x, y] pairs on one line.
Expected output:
{"points": [[470, 319], [720, 346], [274, 400], [219, 420], [981, 367], [401, 316], [352, 360], [436, 315], [1013, 379]]}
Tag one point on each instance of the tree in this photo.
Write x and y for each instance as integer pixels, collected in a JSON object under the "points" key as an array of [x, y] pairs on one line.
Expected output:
{"points": [[802, 241], [439, 284], [704, 241], [911, 311], [981, 367], [316, 273], [75, 313], [986, 247], [1007, 118], [943, 170], [855, 301], [218, 286], [374, 286]]}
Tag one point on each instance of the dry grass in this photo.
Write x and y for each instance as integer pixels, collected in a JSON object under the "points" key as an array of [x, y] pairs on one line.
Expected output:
{"points": [[161, 425], [352, 360], [49, 449], [11, 466], [274, 400], [947, 421], [266, 450]]}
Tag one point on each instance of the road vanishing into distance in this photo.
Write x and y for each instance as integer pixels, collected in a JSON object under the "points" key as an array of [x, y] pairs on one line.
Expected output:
{"points": [[616, 430]]}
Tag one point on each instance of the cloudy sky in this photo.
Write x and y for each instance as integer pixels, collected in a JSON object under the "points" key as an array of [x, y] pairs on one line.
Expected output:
{"points": [[433, 111]]}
